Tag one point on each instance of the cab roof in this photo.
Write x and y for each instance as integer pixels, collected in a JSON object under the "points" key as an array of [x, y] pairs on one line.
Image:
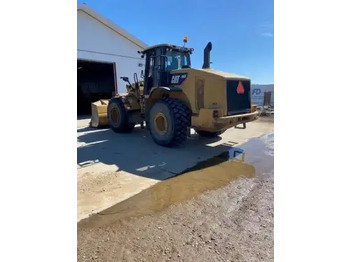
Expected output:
{"points": [[175, 47]]}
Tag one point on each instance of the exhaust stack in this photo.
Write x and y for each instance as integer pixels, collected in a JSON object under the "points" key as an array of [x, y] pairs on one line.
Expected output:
{"points": [[207, 49]]}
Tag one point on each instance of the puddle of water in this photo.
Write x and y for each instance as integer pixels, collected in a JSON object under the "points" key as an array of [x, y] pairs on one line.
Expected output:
{"points": [[251, 159], [259, 152]]}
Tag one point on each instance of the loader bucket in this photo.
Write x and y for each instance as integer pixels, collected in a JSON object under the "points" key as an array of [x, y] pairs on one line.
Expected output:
{"points": [[99, 113]]}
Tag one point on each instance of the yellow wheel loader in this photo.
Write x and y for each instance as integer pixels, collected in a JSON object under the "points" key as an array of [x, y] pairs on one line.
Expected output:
{"points": [[174, 97]]}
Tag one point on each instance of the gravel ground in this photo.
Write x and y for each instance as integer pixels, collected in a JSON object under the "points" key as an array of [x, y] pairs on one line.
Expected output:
{"points": [[233, 223]]}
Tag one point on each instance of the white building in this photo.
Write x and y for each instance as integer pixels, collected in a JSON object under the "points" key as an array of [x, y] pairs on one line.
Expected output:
{"points": [[258, 92], [105, 53]]}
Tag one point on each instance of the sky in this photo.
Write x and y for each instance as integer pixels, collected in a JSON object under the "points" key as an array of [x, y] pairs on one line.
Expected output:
{"points": [[241, 31]]}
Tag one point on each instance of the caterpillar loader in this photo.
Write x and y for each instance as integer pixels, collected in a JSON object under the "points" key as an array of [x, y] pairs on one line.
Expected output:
{"points": [[174, 97]]}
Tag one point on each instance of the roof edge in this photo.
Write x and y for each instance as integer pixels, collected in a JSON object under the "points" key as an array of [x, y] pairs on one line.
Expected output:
{"points": [[189, 49], [85, 8]]}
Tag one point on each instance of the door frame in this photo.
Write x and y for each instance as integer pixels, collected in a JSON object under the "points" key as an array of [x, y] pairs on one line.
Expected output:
{"points": [[114, 64]]}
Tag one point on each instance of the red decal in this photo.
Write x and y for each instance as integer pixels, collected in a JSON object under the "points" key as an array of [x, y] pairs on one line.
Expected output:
{"points": [[240, 88]]}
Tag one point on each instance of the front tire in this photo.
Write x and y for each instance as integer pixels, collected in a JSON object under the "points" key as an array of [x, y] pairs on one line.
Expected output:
{"points": [[117, 116], [168, 122]]}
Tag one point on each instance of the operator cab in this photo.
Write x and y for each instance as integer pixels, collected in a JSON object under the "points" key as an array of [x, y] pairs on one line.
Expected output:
{"points": [[160, 61]]}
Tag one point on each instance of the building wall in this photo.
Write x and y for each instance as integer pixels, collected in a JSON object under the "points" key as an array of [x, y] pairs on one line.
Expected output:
{"points": [[258, 94], [108, 46]]}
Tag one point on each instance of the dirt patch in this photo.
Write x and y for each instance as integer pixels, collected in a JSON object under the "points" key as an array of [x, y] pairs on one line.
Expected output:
{"points": [[94, 190], [91, 184]]}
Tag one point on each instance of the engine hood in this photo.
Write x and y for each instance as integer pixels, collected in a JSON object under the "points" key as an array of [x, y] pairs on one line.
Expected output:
{"points": [[219, 74]]}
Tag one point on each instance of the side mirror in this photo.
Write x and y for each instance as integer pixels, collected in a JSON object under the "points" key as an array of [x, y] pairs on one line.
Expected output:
{"points": [[124, 78]]}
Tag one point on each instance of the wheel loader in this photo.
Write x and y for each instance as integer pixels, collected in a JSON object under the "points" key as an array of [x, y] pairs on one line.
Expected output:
{"points": [[174, 97]]}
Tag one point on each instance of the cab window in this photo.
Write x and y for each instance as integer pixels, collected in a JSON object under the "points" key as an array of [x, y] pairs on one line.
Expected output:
{"points": [[176, 60]]}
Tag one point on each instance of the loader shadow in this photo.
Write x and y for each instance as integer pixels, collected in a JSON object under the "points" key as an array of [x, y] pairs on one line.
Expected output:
{"points": [[136, 152]]}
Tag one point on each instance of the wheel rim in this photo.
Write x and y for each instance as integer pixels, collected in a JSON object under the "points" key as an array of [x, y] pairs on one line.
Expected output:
{"points": [[160, 123], [115, 115]]}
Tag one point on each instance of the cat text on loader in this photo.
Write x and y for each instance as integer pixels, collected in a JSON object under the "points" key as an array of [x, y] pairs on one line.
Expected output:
{"points": [[173, 97]]}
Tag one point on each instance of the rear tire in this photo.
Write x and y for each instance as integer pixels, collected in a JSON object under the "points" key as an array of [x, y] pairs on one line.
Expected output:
{"points": [[118, 117], [209, 134], [168, 122]]}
